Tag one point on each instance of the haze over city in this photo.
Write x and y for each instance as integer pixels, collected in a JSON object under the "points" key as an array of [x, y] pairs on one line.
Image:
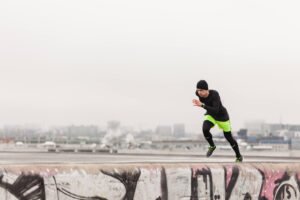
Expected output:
{"points": [[139, 62]]}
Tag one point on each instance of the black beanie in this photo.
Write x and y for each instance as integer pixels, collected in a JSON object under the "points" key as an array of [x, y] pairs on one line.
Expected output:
{"points": [[202, 85]]}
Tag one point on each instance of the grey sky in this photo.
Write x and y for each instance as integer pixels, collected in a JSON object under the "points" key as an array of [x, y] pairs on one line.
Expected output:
{"points": [[86, 62]]}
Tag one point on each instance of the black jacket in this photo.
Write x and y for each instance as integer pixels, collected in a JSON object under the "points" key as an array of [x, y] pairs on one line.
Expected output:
{"points": [[214, 107]]}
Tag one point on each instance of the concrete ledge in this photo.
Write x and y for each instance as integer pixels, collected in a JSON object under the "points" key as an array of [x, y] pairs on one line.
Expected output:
{"points": [[151, 181]]}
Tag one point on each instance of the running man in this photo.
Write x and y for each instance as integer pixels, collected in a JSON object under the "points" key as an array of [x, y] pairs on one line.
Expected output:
{"points": [[216, 113]]}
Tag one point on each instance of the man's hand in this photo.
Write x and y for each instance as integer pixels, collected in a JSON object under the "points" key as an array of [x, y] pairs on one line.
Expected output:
{"points": [[197, 103]]}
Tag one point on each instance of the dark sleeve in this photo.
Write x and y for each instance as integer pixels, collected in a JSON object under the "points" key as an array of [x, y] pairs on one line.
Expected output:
{"points": [[216, 105]]}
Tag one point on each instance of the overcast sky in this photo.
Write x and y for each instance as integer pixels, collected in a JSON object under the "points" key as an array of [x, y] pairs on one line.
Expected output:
{"points": [[88, 61]]}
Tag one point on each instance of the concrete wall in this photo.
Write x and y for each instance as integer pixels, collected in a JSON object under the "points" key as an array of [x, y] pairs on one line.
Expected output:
{"points": [[151, 181]]}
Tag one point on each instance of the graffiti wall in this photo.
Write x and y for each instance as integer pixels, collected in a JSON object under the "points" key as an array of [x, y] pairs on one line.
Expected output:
{"points": [[153, 182]]}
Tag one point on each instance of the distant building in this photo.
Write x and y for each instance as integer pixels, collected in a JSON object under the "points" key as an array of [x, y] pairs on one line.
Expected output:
{"points": [[255, 127], [273, 129], [164, 131], [113, 125], [179, 130], [75, 131], [242, 134], [271, 140], [145, 134], [259, 128], [277, 143], [295, 144], [287, 130]]}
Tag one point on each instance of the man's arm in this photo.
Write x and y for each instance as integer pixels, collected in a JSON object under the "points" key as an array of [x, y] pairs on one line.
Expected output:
{"points": [[215, 108]]}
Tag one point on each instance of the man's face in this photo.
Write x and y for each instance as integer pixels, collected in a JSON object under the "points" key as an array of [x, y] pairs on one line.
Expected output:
{"points": [[202, 93]]}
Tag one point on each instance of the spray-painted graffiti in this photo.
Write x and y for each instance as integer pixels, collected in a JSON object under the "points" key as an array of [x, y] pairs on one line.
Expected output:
{"points": [[25, 187], [194, 182]]}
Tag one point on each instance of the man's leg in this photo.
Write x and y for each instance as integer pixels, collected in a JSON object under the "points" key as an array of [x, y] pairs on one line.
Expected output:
{"points": [[226, 127], [207, 125], [233, 143]]}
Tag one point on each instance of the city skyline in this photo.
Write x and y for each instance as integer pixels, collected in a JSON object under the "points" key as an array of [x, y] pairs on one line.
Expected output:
{"points": [[253, 124]]}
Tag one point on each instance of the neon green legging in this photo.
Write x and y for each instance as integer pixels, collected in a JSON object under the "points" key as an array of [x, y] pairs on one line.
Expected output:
{"points": [[225, 126]]}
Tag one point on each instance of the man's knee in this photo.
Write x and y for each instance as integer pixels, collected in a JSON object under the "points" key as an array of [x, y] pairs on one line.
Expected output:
{"points": [[229, 138], [205, 129]]}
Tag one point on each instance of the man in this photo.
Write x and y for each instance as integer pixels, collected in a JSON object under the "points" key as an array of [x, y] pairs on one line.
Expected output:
{"points": [[216, 113]]}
